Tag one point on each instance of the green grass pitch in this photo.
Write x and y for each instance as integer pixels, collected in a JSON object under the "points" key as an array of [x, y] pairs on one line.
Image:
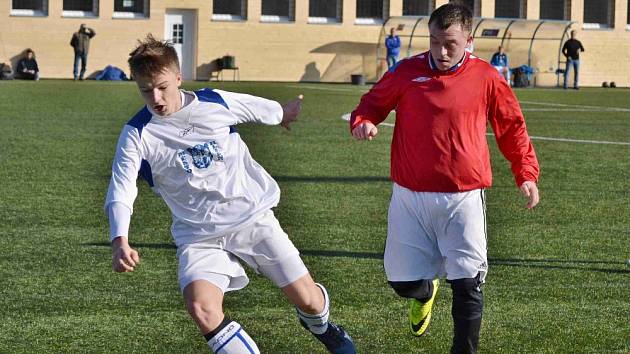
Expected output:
{"points": [[558, 282]]}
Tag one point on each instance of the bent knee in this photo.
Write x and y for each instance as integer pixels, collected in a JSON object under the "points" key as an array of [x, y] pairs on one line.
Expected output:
{"points": [[417, 289], [205, 314]]}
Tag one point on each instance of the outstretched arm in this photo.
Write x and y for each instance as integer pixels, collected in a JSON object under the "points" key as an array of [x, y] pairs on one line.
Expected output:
{"points": [[290, 112]]}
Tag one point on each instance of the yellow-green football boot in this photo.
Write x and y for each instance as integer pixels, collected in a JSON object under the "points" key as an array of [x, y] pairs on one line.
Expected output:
{"points": [[420, 313]]}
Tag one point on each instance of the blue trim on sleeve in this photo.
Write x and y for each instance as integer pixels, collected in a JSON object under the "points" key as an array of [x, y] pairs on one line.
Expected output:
{"points": [[140, 120], [209, 95], [145, 172], [232, 129]]}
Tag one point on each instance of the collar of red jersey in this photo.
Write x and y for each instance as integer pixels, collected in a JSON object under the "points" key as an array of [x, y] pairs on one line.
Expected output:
{"points": [[433, 66]]}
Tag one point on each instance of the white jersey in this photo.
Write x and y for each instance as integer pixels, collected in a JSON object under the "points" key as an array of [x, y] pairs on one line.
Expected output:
{"points": [[196, 161]]}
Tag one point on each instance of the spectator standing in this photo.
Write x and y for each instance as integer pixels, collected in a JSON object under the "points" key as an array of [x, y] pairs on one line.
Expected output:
{"points": [[392, 43], [81, 43], [571, 50]]}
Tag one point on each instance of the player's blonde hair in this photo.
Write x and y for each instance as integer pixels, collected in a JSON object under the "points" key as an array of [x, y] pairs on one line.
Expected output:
{"points": [[152, 57]]}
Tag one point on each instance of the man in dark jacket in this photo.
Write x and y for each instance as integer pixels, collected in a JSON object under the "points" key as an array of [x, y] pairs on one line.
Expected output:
{"points": [[571, 50], [81, 43], [27, 68]]}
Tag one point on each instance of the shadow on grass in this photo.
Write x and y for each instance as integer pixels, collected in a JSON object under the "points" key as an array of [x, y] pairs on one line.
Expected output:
{"points": [[134, 245], [570, 264], [510, 262]]}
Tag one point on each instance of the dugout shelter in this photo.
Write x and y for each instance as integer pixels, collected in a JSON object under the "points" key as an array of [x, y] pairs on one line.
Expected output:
{"points": [[535, 43]]}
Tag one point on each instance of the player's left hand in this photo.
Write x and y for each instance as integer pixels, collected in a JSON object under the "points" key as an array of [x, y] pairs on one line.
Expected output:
{"points": [[530, 191], [290, 112]]}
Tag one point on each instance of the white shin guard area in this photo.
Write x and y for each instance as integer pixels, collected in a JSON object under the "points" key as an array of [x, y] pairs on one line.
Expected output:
{"points": [[233, 339]]}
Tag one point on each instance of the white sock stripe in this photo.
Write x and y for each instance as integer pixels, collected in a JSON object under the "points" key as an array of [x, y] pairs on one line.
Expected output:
{"points": [[326, 299], [245, 342]]}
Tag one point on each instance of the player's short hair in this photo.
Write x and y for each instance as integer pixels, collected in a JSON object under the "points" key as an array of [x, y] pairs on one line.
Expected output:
{"points": [[453, 13], [151, 57]]}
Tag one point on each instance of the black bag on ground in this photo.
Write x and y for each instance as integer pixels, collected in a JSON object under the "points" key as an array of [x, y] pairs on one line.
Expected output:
{"points": [[520, 78]]}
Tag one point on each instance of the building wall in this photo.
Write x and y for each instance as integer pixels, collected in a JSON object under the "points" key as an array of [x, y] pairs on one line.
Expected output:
{"points": [[295, 51]]}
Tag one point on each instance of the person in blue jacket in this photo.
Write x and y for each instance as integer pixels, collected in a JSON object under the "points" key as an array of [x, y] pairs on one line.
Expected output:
{"points": [[392, 43], [500, 62]]}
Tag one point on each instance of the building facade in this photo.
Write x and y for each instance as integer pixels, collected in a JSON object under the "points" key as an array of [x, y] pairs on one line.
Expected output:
{"points": [[283, 40]]}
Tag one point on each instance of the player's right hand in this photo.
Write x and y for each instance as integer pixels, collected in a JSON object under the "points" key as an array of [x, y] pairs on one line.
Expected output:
{"points": [[124, 258], [365, 131]]}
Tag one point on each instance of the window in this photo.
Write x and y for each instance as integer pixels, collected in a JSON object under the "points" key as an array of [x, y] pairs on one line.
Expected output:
{"points": [[324, 11], [131, 9], [510, 8], [229, 10], [473, 5], [371, 12], [80, 8], [177, 33], [29, 7], [555, 10], [599, 14], [417, 7], [278, 11]]}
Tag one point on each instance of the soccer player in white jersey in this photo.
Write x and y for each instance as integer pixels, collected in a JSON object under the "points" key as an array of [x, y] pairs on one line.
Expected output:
{"points": [[185, 146], [440, 165]]}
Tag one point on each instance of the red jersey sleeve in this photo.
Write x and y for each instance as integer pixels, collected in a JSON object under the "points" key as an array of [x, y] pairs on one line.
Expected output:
{"points": [[376, 104], [508, 124]]}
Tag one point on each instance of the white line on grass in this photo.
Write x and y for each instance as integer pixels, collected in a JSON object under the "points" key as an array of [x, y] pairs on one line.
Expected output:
{"points": [[346, 117], [337, 89], [562, 110], [614, 109], [569, 107]]}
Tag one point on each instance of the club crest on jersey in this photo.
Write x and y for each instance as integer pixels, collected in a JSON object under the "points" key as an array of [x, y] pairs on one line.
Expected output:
{"points": [[202, 155], [421, 79]]}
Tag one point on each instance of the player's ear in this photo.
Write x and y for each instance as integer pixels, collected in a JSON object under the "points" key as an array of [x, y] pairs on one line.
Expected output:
{"points": [[178, 78], [469, 41]]}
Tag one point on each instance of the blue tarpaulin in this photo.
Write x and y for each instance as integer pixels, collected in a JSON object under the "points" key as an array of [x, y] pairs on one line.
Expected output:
{"points": [[111, 73]]}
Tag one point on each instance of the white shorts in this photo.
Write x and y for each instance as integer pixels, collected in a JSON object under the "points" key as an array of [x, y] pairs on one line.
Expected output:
{"points": [[436, 235], [263, 245]]}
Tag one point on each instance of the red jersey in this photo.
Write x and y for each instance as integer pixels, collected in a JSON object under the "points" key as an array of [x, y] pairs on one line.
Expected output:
{"points": [[439, 142]]}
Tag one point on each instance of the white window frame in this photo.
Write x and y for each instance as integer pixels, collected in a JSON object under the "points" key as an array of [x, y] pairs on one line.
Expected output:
{"points": [[133, 15], [279, 19], [231, 17], [328, 20], [373, 20], [29, 12], [88, 14]]}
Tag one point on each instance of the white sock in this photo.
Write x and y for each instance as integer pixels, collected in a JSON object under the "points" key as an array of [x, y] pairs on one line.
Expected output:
{"points": [[317, 324], [232, 339]]}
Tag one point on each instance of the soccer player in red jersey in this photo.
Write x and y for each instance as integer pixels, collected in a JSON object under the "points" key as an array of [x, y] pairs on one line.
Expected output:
{"points": [[440, 166]]}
